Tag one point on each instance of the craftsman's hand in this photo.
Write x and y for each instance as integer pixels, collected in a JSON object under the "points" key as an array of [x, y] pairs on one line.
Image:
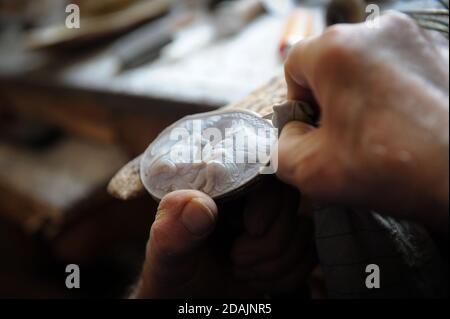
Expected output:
{"points": [[182, 225], [187, 257], [384, 130], [275, 252]]}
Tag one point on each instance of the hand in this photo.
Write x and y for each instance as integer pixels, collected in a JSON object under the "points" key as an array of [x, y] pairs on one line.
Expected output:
{"points": [[383, 138], [195, 251]]}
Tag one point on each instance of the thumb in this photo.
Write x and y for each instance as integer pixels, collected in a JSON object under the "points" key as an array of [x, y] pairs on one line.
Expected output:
{"points": [[182, 224], [298, 153]]}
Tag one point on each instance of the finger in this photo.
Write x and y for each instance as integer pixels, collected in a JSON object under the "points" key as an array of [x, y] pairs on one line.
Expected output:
{"points": [[262, 208], [182, 224], [274, 267], [292, 280], [298, 70], [299, 153], [249, 250], [307, 161], [295, 252]]}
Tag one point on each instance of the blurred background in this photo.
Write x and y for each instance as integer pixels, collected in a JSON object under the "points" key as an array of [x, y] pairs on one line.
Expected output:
{"points": [[85, 88]]}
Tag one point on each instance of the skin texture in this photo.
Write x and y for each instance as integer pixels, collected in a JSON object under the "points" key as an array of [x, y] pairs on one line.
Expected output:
{"points": [[247, 249], [383, 138], [382, 143]]}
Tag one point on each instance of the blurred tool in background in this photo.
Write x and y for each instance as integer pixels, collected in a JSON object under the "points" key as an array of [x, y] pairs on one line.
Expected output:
{"points": [[215, 20], [299, 25], [230, 17], [96, 22], [144, 44]]}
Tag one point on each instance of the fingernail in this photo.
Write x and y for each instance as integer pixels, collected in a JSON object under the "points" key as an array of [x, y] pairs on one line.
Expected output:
{"points": [[197, 217], [160, 214]]}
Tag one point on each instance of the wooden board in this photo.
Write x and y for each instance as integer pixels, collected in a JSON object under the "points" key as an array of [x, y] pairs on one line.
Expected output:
{"points": [[38, 186]]}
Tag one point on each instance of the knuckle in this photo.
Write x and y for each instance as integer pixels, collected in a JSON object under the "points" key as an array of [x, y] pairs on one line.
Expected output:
{"points": [[334, 31], [337, 35], [338, 49], [400, 20], [341, 58], [291, 63]]}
